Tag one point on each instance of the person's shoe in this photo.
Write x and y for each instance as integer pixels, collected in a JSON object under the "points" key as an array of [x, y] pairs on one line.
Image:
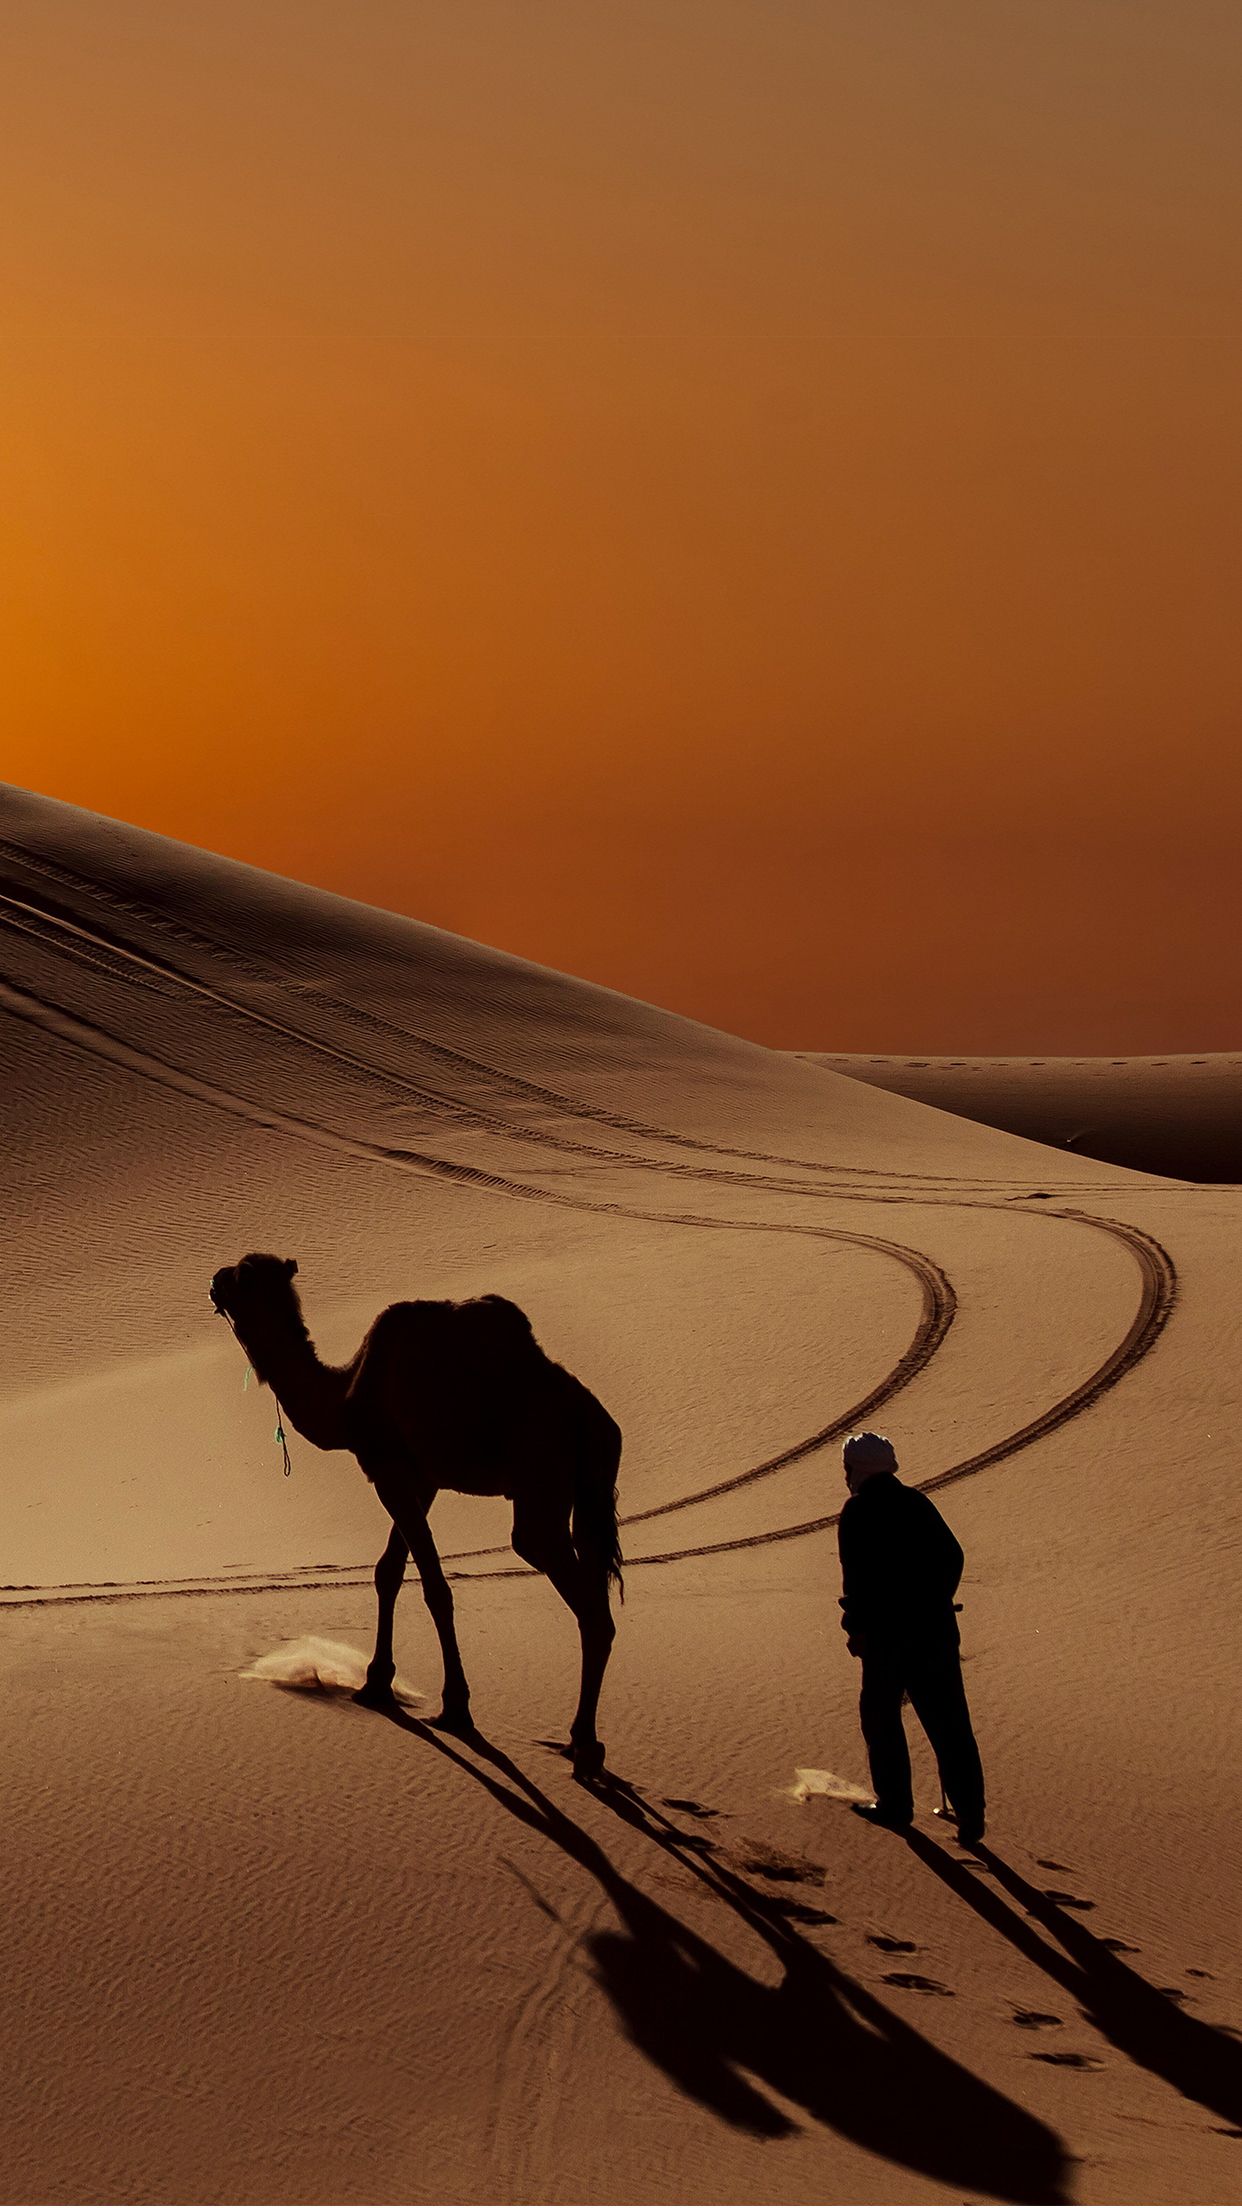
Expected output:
{"points": [[876, 1813], [969, 1835]]}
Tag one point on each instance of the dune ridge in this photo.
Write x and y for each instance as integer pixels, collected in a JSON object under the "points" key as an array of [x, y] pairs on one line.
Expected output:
{"points": [[1179, 1115]]}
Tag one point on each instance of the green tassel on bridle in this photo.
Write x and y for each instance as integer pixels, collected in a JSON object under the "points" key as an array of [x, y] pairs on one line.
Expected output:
{"points": [[280, 1434]]}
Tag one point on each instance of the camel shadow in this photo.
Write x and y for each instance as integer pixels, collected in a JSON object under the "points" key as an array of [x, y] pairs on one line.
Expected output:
{"points": [[816, 2041], [1197, 2060]]}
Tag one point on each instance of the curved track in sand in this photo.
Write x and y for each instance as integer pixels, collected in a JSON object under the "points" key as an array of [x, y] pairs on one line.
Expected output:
{"points": [[938, 1301], [1158, 1275], [1158, 1295], [90, 943], [939, 1308], [938, 1298]]}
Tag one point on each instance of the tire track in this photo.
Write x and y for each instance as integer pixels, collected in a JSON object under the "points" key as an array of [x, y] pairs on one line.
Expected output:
{"points": [[937, 1295], [939, 1301], [96, 1041], [1157, 1297], [1157, 1300], [148, 973], [939, 1305], [81, 945], [939, 1310], [455, 1060], [52, 1598]]}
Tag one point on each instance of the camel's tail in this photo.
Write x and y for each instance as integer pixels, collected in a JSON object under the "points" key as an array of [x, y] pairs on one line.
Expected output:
{"points": [[595, 1533]]}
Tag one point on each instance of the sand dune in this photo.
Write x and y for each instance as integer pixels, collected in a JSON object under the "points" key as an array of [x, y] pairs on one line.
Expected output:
{"points": [[262, 1944], [1178, 1115]]}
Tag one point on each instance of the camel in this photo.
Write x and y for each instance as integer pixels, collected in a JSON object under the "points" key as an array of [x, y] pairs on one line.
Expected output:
{"points": [[457, 1396]]}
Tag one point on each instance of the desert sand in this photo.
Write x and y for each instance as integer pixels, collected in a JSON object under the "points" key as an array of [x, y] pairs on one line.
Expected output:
{"points": [[1178, 1116], [261, 1944]]}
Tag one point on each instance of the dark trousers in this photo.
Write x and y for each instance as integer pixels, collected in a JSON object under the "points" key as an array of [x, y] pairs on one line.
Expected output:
{"points": [[930, 1672]]}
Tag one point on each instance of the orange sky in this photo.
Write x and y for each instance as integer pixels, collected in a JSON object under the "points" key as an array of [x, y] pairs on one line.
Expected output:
{"points": [[740, 501]]}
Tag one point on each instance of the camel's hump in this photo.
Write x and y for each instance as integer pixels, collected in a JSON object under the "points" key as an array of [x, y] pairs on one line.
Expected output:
{"points": [[484, 1324]]}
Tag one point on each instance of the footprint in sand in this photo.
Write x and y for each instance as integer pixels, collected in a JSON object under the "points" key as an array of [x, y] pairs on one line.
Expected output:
{"points": [[911, 1981], [762, 1861], [889, 1946], [1034, 2020], [1064, 2061], [1119, 1947], [1066, 1901], [798, 1912], [1191, 1972], [1046, 1863], [688, 1809]]}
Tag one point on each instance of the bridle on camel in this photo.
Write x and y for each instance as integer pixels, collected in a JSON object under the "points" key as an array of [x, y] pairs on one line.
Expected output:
{"points": [[280, 1416]]}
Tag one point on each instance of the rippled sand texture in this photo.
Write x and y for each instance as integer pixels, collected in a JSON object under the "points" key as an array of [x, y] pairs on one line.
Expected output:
{"points": [[259, 1943]]}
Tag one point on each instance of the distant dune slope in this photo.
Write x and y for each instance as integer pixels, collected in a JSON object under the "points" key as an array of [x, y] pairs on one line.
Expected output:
{"points": [[1180, 1116], [268, 1946]]}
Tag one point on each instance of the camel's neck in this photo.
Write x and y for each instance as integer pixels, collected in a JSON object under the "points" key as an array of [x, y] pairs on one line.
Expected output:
{"points": [[311, 1394]]}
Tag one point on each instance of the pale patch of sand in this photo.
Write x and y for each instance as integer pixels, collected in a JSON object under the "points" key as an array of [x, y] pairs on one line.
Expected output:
{"points": [[280, 1947], [311, 1665], [827, 1786]]}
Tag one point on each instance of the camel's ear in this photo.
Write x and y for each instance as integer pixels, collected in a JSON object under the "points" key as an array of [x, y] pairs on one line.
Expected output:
{"points": [[291, 1266]]}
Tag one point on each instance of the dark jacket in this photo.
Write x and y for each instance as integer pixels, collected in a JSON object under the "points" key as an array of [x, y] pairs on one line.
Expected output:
{"points": [[900, 1565]]}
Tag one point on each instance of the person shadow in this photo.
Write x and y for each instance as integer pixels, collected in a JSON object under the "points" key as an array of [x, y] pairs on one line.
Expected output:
{"points": [[814, 2041], [1197, 2059]]}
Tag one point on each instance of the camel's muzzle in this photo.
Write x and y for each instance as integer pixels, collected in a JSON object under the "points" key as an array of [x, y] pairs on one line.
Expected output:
{"points": [[215, 1292]]}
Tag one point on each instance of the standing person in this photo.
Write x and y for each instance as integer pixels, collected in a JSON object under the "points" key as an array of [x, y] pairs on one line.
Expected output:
{"points": [[900, 1568]]}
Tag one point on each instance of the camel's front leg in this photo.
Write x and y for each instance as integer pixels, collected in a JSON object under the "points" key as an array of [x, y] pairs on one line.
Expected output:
{"points": [[415, 1534], [376, 1692]]}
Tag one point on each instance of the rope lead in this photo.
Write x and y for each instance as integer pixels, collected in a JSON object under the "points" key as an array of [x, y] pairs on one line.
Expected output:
{"points": [[280, 1416]]}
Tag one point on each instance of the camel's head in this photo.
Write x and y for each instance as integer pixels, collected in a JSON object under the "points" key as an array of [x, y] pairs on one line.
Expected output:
{"points": [[253, 1285]]}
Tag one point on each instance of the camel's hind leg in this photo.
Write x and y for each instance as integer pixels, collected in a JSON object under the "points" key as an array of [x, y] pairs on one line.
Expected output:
{"points": [[376, 1692], [584, 1586], [409, 1517]]}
